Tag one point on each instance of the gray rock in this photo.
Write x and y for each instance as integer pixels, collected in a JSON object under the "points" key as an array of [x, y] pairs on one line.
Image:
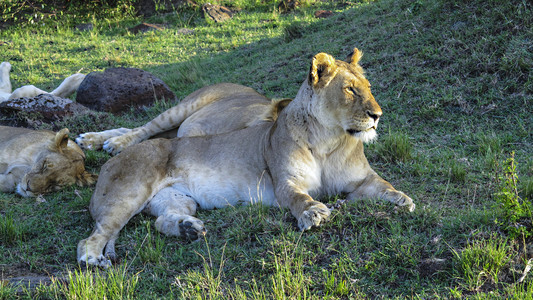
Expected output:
{"points": [[118, 89], [45, 107]]}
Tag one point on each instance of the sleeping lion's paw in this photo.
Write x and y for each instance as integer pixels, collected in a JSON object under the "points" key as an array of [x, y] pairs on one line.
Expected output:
{"points": [[186, 227], [90, 141], [315, 215]]}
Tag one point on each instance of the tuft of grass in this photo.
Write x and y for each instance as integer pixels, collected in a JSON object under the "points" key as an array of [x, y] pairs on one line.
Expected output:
{"points": [[151, 247], [395, 147], [11, 230], [457, 172], [488, 143], [7, 291], [481, 262], [288, 280], [294, 31], [517, 212], [205, 284], [115, 283]]}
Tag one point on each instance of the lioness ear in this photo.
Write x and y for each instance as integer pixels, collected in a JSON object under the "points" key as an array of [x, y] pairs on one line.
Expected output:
{"points": [[86, 179], [323, 69], [281, 104], [61, 140], [355, 56]]}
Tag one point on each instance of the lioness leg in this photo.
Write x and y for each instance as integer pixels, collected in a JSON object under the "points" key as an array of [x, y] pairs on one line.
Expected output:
{"points": [[376, 187], [123, 190], [174, 212], [5, 83], [26, 91], [108, 225], [69, 85], [308, 212], [95, 140]]}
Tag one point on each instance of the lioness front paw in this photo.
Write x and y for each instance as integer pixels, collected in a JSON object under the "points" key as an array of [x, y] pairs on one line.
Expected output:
{"points": [[90, 141], [402, 201], [315, 215], [98, 261]]}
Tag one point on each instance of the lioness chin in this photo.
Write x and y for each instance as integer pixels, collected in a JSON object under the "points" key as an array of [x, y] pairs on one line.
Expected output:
{"points": [[313, 148]]}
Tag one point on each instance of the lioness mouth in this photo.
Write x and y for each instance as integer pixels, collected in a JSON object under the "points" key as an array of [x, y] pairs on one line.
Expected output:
{"points": [[352, 131], [355, 131]]}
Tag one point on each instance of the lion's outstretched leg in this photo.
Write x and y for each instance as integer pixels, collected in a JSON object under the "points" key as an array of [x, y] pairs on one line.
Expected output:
{"points": [[108, 224], [190, 105], [26, 91], [95, 140], [376, 187], [124, 188], [5, 83], [174, 211], [69, 85]]}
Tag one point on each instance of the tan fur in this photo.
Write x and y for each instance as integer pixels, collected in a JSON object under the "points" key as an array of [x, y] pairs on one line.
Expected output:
{"points": [[37, 162], [313, 148], [214, 109]]}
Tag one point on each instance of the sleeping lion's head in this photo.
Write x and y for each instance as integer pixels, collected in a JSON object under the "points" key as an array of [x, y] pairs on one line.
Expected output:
{"points": [[59, 165], [343, 100]]}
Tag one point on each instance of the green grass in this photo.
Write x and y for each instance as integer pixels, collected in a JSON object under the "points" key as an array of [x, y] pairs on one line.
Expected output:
{"points": [[454, 80]]}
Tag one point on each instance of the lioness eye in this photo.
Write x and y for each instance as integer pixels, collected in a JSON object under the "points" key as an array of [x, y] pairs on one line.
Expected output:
{"points": [[352, 90]]}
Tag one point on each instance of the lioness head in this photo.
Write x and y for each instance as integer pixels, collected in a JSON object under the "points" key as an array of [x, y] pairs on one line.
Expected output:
{"points": [[57, 166], [343, 100]]}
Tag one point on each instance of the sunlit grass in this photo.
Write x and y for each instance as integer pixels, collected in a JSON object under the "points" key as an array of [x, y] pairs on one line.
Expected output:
{"points": [[453, 80]]}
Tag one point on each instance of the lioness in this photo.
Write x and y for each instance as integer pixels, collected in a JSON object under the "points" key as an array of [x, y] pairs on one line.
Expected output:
{"points": [[313, 148], [36, 162], [65, 89]]}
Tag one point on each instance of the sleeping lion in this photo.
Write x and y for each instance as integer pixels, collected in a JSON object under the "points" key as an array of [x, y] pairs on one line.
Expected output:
{"points": [[34, 162], [311, 148]]}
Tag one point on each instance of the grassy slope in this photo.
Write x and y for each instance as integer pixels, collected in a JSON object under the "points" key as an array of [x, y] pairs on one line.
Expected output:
{"points": [[455, 82]]}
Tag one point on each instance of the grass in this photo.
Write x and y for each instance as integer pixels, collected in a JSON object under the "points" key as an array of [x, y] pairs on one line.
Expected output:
{"points": [[455, 83]]}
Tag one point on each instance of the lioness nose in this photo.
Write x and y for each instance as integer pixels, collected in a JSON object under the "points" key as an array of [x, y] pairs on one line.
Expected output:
{"points": [[373, 115]]}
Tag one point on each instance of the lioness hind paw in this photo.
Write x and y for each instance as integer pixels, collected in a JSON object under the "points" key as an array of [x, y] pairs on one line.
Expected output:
{"points": [[99, 261], [183, 226], [190, 232], [314, 216]]}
